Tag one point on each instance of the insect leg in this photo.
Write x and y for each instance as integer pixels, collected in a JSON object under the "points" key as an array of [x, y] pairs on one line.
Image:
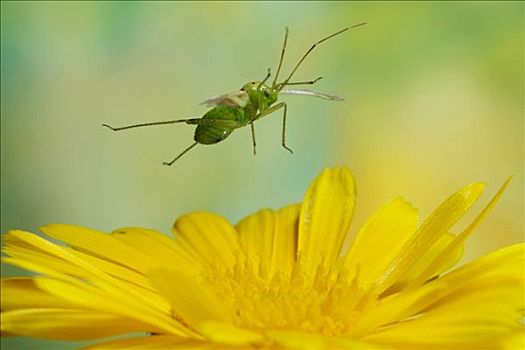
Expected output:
{"points": [[267, 111], [261, 84], [271, 110], [260, 104], [197, 121], [265, 78], [180, 155], [253, 138], [145, 124], [284, 129]]}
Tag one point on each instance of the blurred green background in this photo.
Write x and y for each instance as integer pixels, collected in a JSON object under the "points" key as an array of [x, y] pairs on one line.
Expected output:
{"points": [[434, 100]]}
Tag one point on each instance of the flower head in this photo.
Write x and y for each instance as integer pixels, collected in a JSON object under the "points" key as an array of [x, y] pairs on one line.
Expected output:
{"points": [[278, 279]]}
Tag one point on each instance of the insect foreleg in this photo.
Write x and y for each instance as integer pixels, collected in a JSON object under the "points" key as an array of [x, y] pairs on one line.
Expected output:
{"points": [[252, 127], [267, 111], [260, 98], [261, 85], [268, 74]]}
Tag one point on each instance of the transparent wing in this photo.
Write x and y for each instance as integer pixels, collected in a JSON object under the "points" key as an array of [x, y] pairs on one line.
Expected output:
{"points": [[311, 93], [238, 99]]}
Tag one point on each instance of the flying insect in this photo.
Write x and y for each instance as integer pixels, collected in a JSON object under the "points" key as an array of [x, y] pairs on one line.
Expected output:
{"points": [[245, 106]]}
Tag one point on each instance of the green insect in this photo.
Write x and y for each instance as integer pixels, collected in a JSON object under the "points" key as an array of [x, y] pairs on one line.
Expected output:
{"points": [[252, 102]]}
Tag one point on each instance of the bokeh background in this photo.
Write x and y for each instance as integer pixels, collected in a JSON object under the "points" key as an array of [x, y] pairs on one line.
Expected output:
{"points": [[434, 100]]}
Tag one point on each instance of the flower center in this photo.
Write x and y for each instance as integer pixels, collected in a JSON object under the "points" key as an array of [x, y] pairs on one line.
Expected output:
{"points": [[326, 304]]}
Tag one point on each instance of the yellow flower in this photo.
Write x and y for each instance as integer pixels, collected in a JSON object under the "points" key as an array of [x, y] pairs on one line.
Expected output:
{"points": [[278, 280]]}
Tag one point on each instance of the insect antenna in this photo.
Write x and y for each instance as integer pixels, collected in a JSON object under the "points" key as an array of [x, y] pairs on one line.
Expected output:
{"points": [[284, 83], [281, 58], [309, 82], [180, 155]]}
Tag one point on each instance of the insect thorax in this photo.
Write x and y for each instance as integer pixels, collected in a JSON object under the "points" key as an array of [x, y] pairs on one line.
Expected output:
{"points": [[261, 96]]}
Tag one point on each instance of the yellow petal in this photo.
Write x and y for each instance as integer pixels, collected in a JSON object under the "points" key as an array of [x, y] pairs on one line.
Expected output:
{"points": [[224, 333], [286, 231], [164, 249], [23, 292], [101, 244], [190, 300], [480, 316], [124, 273], [506, 261], [209, 238], [380, 239], [43, 270], [47, 259], [30, 248], [154, 342], [438, 224], [127, 306], [67, 260], [269, 239], [498, 272], [448, 252], [65, 324], [116, 291], [325, 218], [428, 258], [514, 341]]}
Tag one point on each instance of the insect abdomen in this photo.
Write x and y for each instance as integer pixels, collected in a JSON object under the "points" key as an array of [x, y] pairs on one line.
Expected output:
{"points": [[210, 134]]}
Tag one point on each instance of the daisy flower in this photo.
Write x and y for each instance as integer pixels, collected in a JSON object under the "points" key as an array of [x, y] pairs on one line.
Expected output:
{"points": [[276, 280]]}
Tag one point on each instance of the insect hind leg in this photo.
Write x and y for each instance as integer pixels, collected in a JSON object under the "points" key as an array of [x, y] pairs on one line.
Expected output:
{"points": [[283, 137], [181, 154], [253, 139], [145, 124], [274, 109], [192, 121]]}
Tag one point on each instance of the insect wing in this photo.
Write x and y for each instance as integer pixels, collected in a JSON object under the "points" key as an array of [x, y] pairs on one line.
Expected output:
{"points": [[237, 99], [311, 93]]}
